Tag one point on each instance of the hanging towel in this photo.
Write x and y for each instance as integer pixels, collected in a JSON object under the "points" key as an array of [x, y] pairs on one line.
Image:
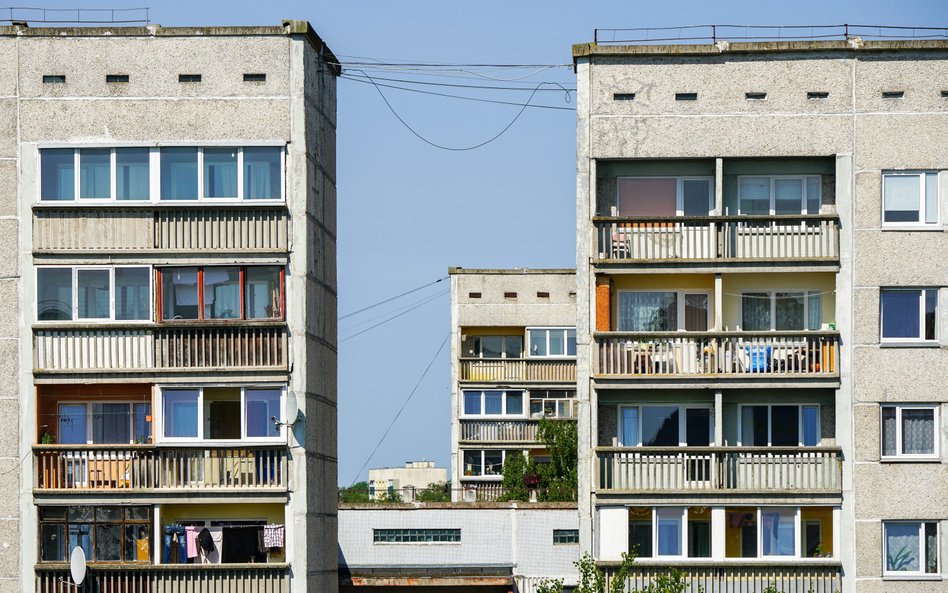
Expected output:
{"points": [[191, 537], [273, 536]]}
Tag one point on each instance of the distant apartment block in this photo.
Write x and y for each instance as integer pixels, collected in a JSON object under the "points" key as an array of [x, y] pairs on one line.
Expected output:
{"points": [[168, 214], [405, 482], [513, 362], [761, 340]]}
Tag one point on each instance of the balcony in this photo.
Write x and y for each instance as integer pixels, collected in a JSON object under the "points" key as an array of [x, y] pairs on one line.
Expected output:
{"points": [[719, 469], [809, 576], [149, 578], [499, 431], [147, 468], [718, 354], [91, 348], [493, 370], [722, 239], [163, 227]]}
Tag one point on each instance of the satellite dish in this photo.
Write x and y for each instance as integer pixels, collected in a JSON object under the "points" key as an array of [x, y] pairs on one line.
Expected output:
{"points": [[77, 565], [292, 408]]}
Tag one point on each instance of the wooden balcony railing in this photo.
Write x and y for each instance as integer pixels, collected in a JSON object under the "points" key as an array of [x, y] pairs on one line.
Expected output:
{"points": [[165, 227], [752, 469], [736, 576], [499, 431], [710, 238], [177, 578], [518, 369], [755, 354], [157, 347], [146, 468]]}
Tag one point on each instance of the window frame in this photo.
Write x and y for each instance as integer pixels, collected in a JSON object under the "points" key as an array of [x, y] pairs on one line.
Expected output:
{"points": [[483, 415], [158, 416], [93, 524], [922, 201], [797, 533], [159, 294], [680, 306], [770, 423], [542, 396], [548, 330], [154, 175], [679, 190], [682, 422], [921, 316], [89, 418], [406, 535], [503, 346], [921, 574], [899, 455], [565, 537], [772, 293], [804, 211], [75, 294], [484, 476]]}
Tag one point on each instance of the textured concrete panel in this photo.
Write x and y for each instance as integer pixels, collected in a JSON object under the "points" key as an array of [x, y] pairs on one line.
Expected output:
{"points": [[9, 548], [8, 181], [866, 308], [10, 485], [9, 245], [880, 374], [10, 312], [866, 429], [882, 141], [891, 258], [914, 74], [868, 549], [8, 129], [868, 203], [901, 490], [9, 436]]}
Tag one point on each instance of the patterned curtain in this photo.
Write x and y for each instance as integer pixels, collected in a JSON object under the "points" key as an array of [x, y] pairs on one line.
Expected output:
{"points": [[918, 431], [648, 311]]}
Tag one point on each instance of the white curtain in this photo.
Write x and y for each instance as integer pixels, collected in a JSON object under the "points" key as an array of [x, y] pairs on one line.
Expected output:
{"points": [[648, 311], [918, 431]]}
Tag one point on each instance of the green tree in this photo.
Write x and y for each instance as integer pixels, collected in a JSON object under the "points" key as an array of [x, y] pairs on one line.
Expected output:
{"points": [[388, 497], [516, 467], [592, 579], [435, 492], [358, 492], [558, 479]]}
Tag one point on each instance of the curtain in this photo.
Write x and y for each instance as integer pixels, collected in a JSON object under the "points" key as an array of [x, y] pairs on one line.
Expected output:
{"points": [[902, 545], [132, 176], [648, 311], [220, 172], [179, 173], [262, 173], [889, 432], [754, 195], [111, 423], [814, 311], [222, 293], [669, 531], [630, 427], [900, 313], [755, 311], [779, 532], [647, 196], [72, 424], [696, 312], [788, 196], [789, 308], [901, 197], [918, 431]]}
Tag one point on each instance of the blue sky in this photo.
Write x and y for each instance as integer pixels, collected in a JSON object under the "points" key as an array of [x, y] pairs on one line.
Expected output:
{"points": [[407, 210]]}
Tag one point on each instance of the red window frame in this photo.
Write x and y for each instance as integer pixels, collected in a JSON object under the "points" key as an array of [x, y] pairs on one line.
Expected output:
{"points": [[242, 275]]}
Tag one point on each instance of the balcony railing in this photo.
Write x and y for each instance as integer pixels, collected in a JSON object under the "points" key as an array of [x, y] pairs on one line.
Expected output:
{"points": [[518, 369], [727, 238], [179, 578], [753, 354], [710, 469], [145, 468], [160, 348], [732, 576], [499, 431], [160, 227]]}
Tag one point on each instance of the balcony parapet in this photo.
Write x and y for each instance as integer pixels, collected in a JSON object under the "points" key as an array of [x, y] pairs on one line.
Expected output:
{"points": [[810, 575], [189, 578], [534, 370]]}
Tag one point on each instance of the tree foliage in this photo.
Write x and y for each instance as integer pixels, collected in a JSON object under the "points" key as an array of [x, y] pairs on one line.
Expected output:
{"points": [[435, 492], [557, 480], [358, 492]]}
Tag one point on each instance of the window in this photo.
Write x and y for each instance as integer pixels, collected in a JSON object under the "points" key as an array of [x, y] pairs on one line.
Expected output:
{"points": [[910, 432], [565, 536], [485, 463], [778, 531], [779, 426], [766, 195], [911, 548], [781, 310], [552, 403], [558, 341], [910, 198], [492, 347], [221, 413], [183, 173], [222, 292], [81, 423], [416, 536], [641, 311], [86, 293], [908, 314], [664, 196], [674, 532], [665, 426], [105, 533], [493, 403]]}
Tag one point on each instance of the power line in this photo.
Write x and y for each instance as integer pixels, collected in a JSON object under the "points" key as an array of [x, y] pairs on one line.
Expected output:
{"points": [[449, 65], [468, 86], [398, 309], [394, 317], [401, 409], [390, 299]]}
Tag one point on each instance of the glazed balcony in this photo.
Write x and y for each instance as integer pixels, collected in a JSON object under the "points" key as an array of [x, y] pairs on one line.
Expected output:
{"points": [[147, 468], [206, 346], [719, 469], [499, 431], [490, 370], [180, 578], [720, 239], [808, 354], [160, 228], [735, 576]]}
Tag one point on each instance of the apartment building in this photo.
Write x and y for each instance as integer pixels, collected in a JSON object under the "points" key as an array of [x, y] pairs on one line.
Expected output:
{"points": [[169, 339], [761, 335], [513, 362], [405, 482]]}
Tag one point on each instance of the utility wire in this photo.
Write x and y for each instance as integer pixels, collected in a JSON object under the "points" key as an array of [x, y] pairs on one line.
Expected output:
{"points": [[368, 320], [390, 299], [467, 86], [394, 317], [455, 148], [402, 409]]}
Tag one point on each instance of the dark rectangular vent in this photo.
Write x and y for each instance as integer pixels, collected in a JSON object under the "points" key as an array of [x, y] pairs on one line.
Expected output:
{"points": [[893, 94], [116, 78], [189, 78], [686, 96], [817, 95], [543, 295], [510, 295], [473, 295], [572, 293], [944, 94], [623, 96], [755, 96], [255, 77], [54, 79]]}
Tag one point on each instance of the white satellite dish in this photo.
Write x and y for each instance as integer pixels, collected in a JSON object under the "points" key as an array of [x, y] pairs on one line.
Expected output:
{"points": [[292, 408], [77, 565]]}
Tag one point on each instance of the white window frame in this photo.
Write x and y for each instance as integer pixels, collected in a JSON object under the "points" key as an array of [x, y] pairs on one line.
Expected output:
{"points": [[680, 294], [679, 189], [524, 399], [921, 316], [682, 534], [88, 417], [526, 342], [773, 192], [772, 293], [75, 295], [158, 412], [482, 475], [899, 456], [503, 346], [154, 171], [797, 533], [770, 422], [922, 551], [570, 402], [922, 200], [682, 421]]}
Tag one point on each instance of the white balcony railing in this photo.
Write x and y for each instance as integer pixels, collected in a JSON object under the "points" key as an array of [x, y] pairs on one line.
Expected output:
{"points": [[518, 369], [177, 578], [735, 576], [499, 431]]}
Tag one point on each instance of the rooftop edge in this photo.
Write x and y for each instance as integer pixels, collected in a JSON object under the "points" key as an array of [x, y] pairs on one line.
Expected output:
{"points": [[457, 270], [581, 50]]}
